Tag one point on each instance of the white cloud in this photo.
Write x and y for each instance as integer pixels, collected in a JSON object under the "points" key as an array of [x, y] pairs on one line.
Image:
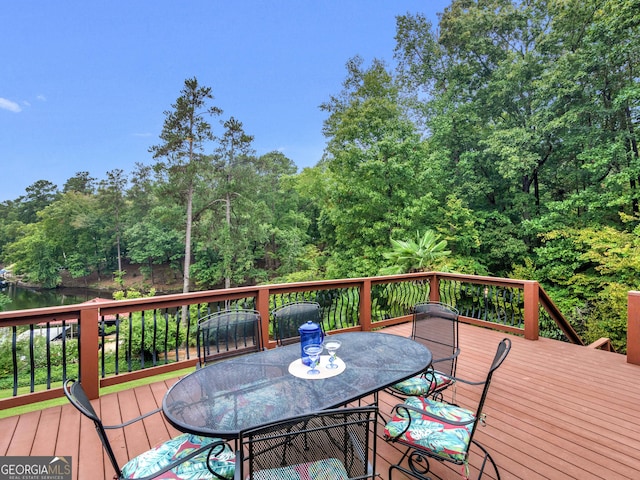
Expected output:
{"points": [[142, 134], [9, 105], [42, 98]]}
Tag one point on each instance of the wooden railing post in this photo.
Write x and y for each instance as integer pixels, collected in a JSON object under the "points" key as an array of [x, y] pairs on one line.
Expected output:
{"points": [[531, 306], [434, 288], [89, 345], [365, 305], [633, 327], [262, 305]]}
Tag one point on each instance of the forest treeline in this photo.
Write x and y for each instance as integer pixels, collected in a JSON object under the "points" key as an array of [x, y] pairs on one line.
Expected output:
{"points": [[509, 129]]}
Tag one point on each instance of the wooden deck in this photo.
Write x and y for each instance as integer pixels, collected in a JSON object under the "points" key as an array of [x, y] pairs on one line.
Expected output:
{"points": [[554, 411]]}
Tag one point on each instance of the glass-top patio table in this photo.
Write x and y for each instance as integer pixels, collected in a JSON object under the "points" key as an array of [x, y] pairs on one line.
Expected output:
{"points": [[226, 397]]}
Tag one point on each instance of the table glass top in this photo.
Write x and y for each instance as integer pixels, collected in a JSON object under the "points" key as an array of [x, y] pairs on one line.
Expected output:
{"points": [[226, 397]]}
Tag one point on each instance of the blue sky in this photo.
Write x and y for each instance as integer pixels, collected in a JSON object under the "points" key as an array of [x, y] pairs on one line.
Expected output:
{"points": [[83, 85]]}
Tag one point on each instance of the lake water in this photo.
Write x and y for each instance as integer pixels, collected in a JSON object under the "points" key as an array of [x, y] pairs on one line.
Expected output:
{"points": [[23, 298]]}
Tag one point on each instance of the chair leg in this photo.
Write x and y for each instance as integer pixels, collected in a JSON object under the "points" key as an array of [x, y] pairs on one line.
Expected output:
{"points": [[487, 456], [418, 464]]}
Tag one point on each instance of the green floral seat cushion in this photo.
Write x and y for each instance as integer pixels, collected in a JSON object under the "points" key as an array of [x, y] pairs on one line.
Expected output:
{"points": [[247, 408], [326, 469], [424, 384], [222, 461], [426, 433]]}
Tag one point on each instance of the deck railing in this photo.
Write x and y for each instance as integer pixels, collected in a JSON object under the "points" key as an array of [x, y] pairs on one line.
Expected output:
{"points": [[112, 342]]}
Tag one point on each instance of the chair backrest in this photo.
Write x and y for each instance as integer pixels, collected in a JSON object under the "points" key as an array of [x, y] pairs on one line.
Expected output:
{"points": [[289, 317], [504, 347], [345, 434], [78, 398], [501, 353], [435, 325], [228, 333]]}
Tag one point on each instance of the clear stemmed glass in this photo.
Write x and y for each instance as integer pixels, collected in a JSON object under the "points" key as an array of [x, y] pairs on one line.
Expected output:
{"points": [[313, 351], [332, 345]]}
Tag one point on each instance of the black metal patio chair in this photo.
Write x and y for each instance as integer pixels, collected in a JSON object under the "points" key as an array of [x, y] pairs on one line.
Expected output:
{"points": [[228, 333], [289, 317], [435, 325], [441, 431], [185, 456], [332, 444]]}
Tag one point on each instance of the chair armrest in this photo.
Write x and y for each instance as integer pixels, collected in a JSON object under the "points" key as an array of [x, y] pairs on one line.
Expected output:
{"points": [[172, 465], [462, 380], [449, 358], [133, 420], [458, 379], [409, 408]]}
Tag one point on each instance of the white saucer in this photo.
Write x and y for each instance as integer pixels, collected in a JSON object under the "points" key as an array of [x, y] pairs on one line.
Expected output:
{"points": [[299, 369]]}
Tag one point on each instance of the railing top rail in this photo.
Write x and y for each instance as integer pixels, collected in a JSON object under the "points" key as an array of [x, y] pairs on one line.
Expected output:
{"points": [[557, 316], [505, 282], [479, 279], [39, 315], [110, 307]]}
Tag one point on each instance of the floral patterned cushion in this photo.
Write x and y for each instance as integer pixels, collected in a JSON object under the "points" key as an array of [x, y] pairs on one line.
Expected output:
{"points": [[327, 469], [423, 384], [222, 461], [251, 405], [426, 433]]}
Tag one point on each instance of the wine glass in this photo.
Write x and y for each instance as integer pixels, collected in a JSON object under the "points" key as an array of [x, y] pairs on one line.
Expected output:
{"points": [[313, 351], [332, 345]]}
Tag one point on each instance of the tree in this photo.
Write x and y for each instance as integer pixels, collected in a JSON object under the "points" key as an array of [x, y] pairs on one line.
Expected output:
{"points": [[10, 225], [70, 234], [150, 244], [286, 221], [76, 227], [231, 156], [142, 192], [39, 195], [81, 182], [112, 198], [35, 256], [377, 186], [231, 235], [232, 162], [184, 135], [594, 99]]}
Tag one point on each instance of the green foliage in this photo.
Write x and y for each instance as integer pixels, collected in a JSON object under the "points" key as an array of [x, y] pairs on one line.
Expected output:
{"points": [[36, 257], [509, 129], [586, 260], [426, 253], [375, 177], [118, 277], [459, 226], [40, 360], [4, 300], [608, 317], [38, 196], [153, 241], [149, 340], [501, 243]]}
